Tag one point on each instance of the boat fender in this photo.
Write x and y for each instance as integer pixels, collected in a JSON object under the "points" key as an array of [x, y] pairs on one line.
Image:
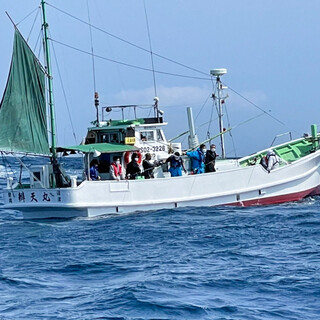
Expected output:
{"points": [[127, 157]]}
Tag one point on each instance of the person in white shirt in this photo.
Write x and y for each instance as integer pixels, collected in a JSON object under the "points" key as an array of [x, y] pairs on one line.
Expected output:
{"points": [[272, 160]]}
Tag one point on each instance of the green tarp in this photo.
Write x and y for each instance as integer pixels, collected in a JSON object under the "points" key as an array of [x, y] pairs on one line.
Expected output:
{"points": [[101, 147], [23, 121]]}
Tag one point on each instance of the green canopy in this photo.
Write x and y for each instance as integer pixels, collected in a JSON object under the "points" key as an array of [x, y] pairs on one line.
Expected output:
{"points": [[23, 119], [101, 147]]}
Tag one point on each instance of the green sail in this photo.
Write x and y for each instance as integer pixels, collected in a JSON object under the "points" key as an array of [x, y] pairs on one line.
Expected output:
{"points": [[23, 120]]}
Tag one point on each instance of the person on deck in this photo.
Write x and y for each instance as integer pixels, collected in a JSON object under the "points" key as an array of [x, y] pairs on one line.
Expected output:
{"points": [[94, 173], [133, 168], [116, 170], [148, 167], [198, 157], [176, 163], [272, 160], [210, 159]]}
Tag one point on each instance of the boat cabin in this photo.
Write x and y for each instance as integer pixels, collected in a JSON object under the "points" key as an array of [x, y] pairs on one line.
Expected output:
{"points": [[144, 134]]}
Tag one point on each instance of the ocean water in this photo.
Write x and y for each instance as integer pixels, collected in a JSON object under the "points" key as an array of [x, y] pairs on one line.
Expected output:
{"points": [[191, 263]]}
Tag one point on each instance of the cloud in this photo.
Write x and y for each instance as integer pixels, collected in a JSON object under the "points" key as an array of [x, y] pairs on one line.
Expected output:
{"points": [[258, 98], [188, 96], [169, 96]]}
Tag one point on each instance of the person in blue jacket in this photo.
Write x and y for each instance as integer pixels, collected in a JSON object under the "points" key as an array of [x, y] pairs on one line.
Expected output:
{"points": [[94, 173], [198, 157], [176, 163]]}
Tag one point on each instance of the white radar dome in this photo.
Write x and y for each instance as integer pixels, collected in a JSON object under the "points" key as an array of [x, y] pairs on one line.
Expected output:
{"points": [[218, 72]]}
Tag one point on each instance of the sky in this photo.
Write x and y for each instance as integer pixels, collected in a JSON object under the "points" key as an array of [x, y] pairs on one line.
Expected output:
{"points": [[270, 48]]}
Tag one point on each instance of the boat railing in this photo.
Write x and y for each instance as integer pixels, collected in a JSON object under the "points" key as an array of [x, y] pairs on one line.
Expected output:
{"points": [[281, 135], [148, 120]]}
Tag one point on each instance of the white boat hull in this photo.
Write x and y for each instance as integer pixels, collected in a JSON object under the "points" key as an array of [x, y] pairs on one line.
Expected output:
{"points": [[239, 186]]}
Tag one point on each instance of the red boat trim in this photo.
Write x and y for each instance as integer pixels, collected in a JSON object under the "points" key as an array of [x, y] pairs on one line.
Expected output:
{"points": [[277, 199], [315, 192]]}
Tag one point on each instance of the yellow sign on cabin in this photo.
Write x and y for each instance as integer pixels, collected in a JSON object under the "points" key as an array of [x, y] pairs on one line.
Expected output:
{"points": [[130, 140]]}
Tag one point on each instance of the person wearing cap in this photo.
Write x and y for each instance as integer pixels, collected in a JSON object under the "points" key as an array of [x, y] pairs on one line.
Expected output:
{"points": [[148, 166], [94, 173], [210, 159], [133, 168], [116, 170], [176, 163], [198, 157]]}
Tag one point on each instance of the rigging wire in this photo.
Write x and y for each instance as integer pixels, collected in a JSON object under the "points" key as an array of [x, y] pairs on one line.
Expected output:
{"points": [[64, 93], [230, 132], [127, 64], [92, 52], [28, 15], [211, 113], [34, 21], [248, 120], [146, 50], [151, 53], [210, 122], [203, 105], [37, 43], [252, 103], [126, 41], [7, 165]]}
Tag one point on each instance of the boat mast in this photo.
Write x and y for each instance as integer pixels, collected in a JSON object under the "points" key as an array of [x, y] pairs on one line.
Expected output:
{"points": [[217, 73], [50, 85]]}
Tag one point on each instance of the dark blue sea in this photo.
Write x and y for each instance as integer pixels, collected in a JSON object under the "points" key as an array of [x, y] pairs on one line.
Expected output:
{"points": [[192, 263]]}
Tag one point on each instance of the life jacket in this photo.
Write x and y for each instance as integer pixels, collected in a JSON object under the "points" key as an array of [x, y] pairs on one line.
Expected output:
{"points": [[271, 155], [264, 162], [115, 168]]}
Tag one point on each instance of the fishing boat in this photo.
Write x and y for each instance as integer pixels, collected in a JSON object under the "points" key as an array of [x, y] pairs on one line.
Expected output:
{"points": [[52, 193]]}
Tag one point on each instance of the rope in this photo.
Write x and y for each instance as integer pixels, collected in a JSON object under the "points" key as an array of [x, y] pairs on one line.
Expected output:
{"points": [[230, 133], [202, 107], [127, 64], [92, 55], [6, 164], [34, 21], [151, 53], [64, 94], [22, 164], [27, 16], [266, 112], [37, 42], [126, 41]]}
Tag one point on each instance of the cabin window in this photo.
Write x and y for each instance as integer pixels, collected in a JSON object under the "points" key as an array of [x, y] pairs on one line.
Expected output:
{"points": [[36, 176], [130, 132], [102, 138], [147, 135], [91, 137], [109, 138], [114, 138]]}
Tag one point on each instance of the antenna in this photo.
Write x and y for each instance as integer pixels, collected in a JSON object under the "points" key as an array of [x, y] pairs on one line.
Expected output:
{"points": [[151, 53], [96, 95], [218, 73], [96, 104]]}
